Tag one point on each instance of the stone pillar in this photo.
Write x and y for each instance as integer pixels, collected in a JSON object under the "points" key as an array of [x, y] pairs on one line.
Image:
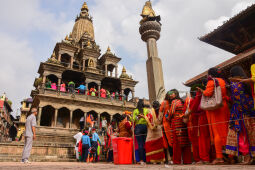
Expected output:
{"points": [[105, 68], [59, 83], [133, 95], [59, 57], [39, 116], [71, 119], [83, 65], [98, 120], [116, 72], [99, 88], [150, 33], [55, 117], [85, 119], [122, 94], [43, 81], [111, 74], [71, 62]]}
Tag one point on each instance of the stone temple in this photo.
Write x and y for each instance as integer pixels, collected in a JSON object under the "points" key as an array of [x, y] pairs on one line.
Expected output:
{"points": [[78, 59]]}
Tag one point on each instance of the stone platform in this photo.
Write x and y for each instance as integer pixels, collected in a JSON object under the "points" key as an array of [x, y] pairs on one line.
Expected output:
{"points": [[76, 165], [51, 144]]}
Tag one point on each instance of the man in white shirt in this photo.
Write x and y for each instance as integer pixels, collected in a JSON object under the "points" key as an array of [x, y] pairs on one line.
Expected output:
{"points": [[29, 135], [78, 139]]}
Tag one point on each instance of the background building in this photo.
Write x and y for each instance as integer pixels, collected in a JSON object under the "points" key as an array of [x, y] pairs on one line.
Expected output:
{"points": [[5, 118]]}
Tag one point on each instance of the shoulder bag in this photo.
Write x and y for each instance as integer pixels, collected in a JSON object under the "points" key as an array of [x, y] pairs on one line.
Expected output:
{"points": [[213, 102]]}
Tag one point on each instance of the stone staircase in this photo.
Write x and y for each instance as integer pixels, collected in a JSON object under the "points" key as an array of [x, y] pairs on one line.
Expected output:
{"points": [[51, 144]]}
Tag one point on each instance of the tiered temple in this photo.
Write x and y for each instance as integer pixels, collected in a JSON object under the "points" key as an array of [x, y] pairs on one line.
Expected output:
{"points": [[77, 58]]}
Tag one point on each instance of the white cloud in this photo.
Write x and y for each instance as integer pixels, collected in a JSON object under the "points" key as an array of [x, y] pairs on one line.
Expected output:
{"points": [[18, 69], [239, 7], [215, 23]]}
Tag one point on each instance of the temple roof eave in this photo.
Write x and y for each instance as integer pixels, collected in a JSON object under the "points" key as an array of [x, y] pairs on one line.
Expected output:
{"points": [[228, 63], [224, 36]]}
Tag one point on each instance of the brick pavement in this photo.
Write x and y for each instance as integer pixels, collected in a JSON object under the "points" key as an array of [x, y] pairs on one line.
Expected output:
{"points": [[84, 166]]}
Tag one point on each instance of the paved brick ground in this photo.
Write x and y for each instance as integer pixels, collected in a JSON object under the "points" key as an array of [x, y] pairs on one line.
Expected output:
{"points": [[76, 165]]}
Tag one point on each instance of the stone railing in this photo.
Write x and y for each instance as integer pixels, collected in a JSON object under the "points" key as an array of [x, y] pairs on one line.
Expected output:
{"points": [[48, 91]]}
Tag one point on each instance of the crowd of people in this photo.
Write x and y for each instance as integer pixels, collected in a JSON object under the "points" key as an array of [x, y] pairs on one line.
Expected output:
{"points": [[215, 134], [82, 89], [194, 129]]}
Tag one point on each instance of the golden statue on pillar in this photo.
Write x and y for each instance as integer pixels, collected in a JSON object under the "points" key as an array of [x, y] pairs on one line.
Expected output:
{"points": [[148, 13]]}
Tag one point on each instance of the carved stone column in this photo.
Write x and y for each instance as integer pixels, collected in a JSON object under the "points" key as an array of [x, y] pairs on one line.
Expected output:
{"points": [[83, 65], [59, 83], [133, 95], [85, 119], [99, 88], [43, 81], [39, 116], [71, 119], [55, 117], [71, 62], [105, 68], [59, 57], [116, 72]]}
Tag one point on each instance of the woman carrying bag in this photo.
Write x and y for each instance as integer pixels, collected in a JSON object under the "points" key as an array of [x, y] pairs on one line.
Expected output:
{"points": [[218, 116]]}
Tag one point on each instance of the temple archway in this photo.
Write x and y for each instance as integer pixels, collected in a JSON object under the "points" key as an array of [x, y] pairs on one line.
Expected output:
{"points": [[47, 116], [127, 93], [116, 118], [105, 115], [76, 77], [111, 84], [53, 78], [63, 119], [77, 114], [92, 85], [92, 116], [76, 65], [65, 60]]}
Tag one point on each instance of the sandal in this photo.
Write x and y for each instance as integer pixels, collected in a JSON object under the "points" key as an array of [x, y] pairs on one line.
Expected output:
{"points": [[218, 161]]}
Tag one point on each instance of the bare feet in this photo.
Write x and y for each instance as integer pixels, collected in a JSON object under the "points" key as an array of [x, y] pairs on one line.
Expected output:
{"points": [[218, 161]]}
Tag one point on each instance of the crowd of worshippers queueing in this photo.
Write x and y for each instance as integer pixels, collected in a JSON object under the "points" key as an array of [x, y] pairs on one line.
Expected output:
{"points": [[82, 89], [179, 131]]}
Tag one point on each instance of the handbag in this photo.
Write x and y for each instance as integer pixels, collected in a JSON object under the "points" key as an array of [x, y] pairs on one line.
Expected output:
{"points": [[213, 102]]}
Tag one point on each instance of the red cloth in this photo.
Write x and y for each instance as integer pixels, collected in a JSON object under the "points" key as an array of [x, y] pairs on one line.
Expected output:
{"points": [[155, 145], [199, 133]]}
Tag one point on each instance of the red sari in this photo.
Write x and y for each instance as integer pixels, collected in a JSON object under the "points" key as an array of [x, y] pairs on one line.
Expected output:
{"points": [[154, 142], [181, 143], [198, 131]]}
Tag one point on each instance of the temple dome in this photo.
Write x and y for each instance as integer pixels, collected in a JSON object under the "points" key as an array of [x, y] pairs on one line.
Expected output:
{"points": [[83, 23]]}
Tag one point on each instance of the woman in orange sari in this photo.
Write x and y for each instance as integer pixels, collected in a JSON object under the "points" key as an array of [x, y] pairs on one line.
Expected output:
{"points": [[218, 118], [166, 126]]}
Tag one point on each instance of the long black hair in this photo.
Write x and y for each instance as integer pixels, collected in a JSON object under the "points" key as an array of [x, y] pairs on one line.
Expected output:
{"points": [[237, 71], [140, 105], [214, 72], [156, 106], [177, 95]]}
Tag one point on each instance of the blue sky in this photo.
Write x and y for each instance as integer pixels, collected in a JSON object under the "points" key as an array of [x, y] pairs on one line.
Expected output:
{"points": [[30, 29]]}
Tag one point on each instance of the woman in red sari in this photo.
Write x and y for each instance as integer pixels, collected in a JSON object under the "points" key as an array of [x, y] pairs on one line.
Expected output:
{"points": [[181, 144]]}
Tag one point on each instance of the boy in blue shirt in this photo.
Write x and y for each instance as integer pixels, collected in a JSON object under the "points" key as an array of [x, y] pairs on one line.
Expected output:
{"points": [[94, 140], [85, 146]]}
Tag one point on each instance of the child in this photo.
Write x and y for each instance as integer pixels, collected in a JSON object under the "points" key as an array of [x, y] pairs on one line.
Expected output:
{"points": [[85, 146]]}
